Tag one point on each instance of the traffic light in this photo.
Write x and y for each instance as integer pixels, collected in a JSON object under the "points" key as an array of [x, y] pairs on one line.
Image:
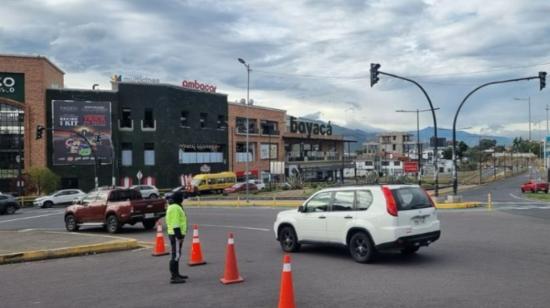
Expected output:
{"points": [[374, 73], [542, 76], [39, 130]]}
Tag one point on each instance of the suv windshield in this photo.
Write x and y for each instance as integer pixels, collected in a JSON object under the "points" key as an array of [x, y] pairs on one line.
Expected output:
{"points": [[410, 198]]}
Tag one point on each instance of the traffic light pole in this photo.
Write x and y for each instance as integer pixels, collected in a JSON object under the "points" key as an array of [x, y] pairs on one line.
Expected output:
{"points": [[542, 77], [436, 168]]}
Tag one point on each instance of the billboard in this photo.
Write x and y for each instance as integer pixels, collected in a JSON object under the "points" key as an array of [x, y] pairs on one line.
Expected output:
{"points": [[73, 123], [411, 166], [12, 86]]}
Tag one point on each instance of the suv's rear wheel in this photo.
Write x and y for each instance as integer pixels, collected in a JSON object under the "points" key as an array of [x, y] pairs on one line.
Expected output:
{"points": [[361, 247], [48, 204], [10, 209], [70, 223], [113, 226], [288, 239]]}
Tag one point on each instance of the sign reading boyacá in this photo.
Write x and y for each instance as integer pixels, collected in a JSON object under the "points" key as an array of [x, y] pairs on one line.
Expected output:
{"points": [[309, 128]]}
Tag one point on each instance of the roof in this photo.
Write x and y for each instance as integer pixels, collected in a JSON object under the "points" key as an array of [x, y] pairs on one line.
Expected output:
{"points": [[256, 106], [38, 57]]}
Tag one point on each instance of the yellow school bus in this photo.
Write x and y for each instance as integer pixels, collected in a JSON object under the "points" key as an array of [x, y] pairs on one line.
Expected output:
{"points": [[215, 182]]}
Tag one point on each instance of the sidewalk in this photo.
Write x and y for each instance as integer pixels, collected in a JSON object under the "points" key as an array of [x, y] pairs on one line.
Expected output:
{"points": [[32, 245]]}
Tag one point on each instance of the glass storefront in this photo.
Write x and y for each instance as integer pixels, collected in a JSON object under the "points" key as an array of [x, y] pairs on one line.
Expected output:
{"points": [[11, 144]]}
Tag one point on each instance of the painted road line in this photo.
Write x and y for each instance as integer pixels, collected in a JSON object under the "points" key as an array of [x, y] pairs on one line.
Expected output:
{"points": [[236, 227], [31, 217]]}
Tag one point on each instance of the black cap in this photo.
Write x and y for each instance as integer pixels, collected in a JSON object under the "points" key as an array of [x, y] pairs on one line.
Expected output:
{"points": [[177, 197]]}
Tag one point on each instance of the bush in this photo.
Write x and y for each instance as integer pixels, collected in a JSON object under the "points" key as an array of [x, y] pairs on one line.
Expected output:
{"points": [[43, 180]]}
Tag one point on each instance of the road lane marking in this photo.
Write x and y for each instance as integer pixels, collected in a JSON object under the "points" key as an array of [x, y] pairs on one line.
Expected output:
{"points": [[31, 217], [237, 227]]}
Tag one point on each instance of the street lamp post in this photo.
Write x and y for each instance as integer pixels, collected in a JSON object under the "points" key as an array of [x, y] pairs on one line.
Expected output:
{"points": [[418, 138], [528, 100], [247, 66], [20, 120]]}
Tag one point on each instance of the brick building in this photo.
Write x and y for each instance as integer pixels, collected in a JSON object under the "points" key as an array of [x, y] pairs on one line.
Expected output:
{"points": [[265, 139], [23, 84]]}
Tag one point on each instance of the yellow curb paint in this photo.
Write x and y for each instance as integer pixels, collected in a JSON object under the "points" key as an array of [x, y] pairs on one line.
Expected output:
{"points": [[68, 251], [458, 205]]}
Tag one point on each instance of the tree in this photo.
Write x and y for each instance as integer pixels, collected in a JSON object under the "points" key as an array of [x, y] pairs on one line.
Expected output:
{"points": [[461, 149], [486, 144], [448, 153], [43, 179]]}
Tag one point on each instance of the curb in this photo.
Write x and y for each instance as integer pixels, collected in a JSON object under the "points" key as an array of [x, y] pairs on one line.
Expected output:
{"points": [[64, 252], [458, 205]]}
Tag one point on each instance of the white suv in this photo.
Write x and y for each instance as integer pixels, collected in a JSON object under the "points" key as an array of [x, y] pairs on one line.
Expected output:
{"points": [[364, 218], [147, 191]]}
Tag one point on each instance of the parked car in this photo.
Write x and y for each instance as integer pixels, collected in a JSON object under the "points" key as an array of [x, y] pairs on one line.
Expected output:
{"points": [[8, 204], [147, 191], [64, 196], [169, 194], [240, 187], [114, 208], [534, 186], [365, 219], [259, 183]]}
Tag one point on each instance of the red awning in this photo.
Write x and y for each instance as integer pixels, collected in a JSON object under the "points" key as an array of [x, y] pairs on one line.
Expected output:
{"points": [[250, 172]]}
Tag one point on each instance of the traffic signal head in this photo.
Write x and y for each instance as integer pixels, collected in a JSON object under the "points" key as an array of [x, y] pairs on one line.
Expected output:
{"points": [[39, 130], [542, 77], [374, 73]]}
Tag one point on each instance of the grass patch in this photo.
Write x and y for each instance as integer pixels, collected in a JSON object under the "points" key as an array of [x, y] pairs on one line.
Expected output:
{"points": [[539, 196]]}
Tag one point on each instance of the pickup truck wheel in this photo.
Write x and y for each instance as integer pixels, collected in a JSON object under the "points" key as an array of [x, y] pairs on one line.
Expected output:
{"points": [[149, 224], [361, 248], [288, 239], [47, 204], [522, 191], [546, 191], [113, 226], [534, 191], [70, 223]]}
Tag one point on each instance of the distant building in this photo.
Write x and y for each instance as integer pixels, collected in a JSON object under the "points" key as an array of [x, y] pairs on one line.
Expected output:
{"points": [[396, 142]]}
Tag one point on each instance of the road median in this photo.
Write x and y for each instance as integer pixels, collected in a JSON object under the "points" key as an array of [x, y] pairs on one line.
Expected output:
{"points": [[34, 245]]}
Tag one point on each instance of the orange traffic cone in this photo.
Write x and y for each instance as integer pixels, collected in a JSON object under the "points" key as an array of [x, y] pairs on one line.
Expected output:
{"points": [[195, 256], [231, 273], [286, 295], [159, 249]]}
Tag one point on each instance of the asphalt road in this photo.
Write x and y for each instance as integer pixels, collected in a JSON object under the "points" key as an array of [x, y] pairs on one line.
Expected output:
{"points": [[497, 258]]}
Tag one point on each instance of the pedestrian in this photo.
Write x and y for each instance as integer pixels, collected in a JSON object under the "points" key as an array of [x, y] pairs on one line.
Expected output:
{"points": [[176, 225]]}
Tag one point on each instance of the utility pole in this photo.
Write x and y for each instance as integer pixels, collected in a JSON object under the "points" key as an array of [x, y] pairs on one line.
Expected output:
{"points": [[418, 138]]}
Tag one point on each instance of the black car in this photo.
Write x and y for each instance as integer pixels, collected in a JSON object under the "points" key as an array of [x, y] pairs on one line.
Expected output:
{"points": [[8, 204]]}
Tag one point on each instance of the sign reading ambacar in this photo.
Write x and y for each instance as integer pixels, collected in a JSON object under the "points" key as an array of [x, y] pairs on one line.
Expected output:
{"points": [[190, 84]]}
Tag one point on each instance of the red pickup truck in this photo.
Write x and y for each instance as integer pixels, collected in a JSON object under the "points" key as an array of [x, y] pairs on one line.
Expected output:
{"points": [[533, 186], [114, 208]]}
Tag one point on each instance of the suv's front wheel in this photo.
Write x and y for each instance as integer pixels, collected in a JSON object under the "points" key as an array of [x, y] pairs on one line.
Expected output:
{"points": [[361, 247], [288, 239]]}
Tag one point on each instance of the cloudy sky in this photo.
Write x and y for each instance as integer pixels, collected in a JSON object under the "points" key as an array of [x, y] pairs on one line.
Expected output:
{"points": [[309, 57]]}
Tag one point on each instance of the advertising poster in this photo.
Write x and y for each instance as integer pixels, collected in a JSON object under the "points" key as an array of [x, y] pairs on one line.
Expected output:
{"points": [[74, 122]]}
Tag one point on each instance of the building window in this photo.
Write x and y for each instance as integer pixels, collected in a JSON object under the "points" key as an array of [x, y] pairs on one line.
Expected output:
{"points": [[241, 126], [266, 150], [148, 119], [184, 119], [126, 154], [222, 123], [269, 127], [385, 163], [397, 163], [204, 120], [200, 153], [242, 155], [149, 154], [393, 147], [394, 137], [126, 119]]}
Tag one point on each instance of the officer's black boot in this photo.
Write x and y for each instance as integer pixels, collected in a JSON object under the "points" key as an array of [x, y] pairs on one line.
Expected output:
{"points": [[174, 272], [178, 271]]}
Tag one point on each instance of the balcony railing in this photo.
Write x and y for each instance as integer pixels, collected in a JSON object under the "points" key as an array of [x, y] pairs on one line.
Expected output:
{"points": [[242, 130]]}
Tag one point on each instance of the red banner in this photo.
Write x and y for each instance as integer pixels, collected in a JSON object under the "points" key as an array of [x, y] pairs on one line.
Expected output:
{"points": [[411, 167]]}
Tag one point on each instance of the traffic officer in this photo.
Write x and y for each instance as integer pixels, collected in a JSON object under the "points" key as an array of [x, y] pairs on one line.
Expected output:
{"points": [[176, 224]]}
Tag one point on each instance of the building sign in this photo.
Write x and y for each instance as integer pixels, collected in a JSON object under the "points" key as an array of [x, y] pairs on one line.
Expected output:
{"points": [[137, 78], [309, 128], [190, 84], [12, 86], [410, 167], [74, 120]]}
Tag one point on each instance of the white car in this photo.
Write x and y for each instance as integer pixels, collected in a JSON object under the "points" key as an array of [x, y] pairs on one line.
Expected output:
{"points": [[147, 191], [65, 196], [259, 184], [366, 219]]}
